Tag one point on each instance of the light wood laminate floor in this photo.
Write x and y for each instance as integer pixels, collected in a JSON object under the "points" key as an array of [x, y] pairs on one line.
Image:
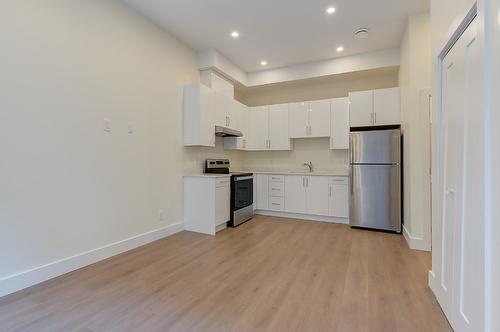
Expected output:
{"points": [[269, 274]]}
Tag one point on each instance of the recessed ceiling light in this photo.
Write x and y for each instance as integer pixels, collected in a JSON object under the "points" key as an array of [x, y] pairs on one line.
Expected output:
{"points": [[330, 10], [340, 48], [263, 63], [235, 34]]}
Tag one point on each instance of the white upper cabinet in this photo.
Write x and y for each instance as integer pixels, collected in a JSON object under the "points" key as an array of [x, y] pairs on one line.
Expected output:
{"points": [[310, 119], [361, 108], [268, 128], [386, 107], [317, 195], [319, 118], [339, 138], [299, 120], [278, 128], [225, 111], [375, 107], [239, 120], [259, 128], [199, 116]]}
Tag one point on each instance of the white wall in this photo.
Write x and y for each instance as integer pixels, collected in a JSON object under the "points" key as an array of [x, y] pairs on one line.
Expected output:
{"points": [[66, 185], [414, 78]]}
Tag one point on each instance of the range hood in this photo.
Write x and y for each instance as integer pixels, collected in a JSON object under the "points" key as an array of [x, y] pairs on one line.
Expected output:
{"points": [[227, 132]]}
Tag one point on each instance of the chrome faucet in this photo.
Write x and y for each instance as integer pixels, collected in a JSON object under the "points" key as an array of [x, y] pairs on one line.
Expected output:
{"points": [[310, 165]]}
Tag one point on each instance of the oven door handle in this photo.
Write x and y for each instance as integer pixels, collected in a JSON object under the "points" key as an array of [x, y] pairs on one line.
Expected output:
{"points": [[236, 179]]}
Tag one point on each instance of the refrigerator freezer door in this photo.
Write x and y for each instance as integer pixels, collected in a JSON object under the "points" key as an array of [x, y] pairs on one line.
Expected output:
{"points": [[376, 197], [376, 147]]}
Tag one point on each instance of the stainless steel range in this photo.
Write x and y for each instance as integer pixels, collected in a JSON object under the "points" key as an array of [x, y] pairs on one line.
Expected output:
{"points": [[241, 191]]}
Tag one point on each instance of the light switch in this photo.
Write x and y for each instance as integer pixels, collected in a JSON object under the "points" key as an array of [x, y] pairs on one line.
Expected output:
{"points": [[131, 128], [107, 125]]}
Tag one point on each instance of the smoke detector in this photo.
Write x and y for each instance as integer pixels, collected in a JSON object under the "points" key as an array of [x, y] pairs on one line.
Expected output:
{"points": [[361, 33]]}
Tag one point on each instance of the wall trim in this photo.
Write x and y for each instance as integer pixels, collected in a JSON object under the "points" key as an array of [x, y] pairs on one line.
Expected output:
{"points": [[432, 281], [416, 243], [307, 217], [31, 277]]}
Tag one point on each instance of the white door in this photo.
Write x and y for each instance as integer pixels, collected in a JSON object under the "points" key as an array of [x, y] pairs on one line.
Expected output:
{"points": [[387, 106], [295, 194], [361, 108], [339, 139], [458, 239], [262, 189], [317, 195], [259, 128], [319, 118], [278, 127], [299, 120], [339, 200]]}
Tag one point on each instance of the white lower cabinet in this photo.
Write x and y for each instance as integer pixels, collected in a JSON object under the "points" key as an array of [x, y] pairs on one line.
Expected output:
{"points": [[317, 195], [206, 203], [295, 194], [312, 195], [262, 192], [338, 197]]}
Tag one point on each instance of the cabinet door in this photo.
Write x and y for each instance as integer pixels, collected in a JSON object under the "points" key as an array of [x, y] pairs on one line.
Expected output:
{"points": [[340, 124], [295, 194], [386, 107], [278, 127], [259, 128], [299, 120], [262, 189], [339, 201], [319, 118], [221, 106], [317, 195], [361, 108], [241, 120], [222, 204], [199, 116]]}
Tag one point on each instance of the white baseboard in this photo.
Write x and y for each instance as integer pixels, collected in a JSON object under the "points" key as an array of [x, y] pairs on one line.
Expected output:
{"points": [[302, 216], [415, 243], [18, 281], [432, 281]]}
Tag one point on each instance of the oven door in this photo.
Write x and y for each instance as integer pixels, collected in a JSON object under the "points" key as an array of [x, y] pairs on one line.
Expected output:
{"points": [[241, 199], [242, 192]]}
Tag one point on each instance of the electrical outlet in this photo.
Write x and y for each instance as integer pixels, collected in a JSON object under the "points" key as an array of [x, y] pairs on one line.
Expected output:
{"points": [[161, 215]]}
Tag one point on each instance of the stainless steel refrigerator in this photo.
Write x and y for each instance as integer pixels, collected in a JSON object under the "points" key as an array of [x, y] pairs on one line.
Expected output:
{"points": [[375, 187]]}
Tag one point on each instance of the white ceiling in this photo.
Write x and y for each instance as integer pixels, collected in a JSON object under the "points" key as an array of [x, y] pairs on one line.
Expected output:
{"points": [[283, 32]]}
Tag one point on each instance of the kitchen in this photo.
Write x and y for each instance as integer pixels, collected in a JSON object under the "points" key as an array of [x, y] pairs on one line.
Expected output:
{"points": [[210, 110], [232, 165]]}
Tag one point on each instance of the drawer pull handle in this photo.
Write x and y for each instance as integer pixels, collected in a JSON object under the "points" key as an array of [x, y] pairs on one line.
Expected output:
{"points": [[275, 204]]}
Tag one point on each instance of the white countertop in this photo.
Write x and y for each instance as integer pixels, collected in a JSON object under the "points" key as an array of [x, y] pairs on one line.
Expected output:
{"points": [[337, 172], [204, 175]]}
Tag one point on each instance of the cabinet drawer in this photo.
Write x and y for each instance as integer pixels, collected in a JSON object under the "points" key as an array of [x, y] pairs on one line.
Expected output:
{"points": [[276, 178], [339, 180], [221, 182], [276, 189], [276, 203]]}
